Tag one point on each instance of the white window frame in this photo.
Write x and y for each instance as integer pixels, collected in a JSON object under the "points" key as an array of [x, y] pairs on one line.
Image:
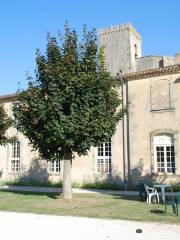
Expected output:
{"points": [[106, 160], [54, 166], [164, 141], [15, 156]]}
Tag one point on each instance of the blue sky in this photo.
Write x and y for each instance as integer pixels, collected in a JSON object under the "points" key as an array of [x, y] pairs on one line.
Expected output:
{"points": [[24, 24]]}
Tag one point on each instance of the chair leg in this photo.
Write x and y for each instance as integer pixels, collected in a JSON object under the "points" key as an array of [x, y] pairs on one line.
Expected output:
{"points": [[165, 207], [158, 198], [150, 199], [176, 209]]}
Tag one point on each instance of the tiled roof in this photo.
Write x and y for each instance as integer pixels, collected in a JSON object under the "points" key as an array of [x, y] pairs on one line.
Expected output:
{"points": [[173, 69], [8, 97]]}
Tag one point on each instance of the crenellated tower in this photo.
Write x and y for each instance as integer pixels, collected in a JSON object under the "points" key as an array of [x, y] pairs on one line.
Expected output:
{"points": [[122, 46]]}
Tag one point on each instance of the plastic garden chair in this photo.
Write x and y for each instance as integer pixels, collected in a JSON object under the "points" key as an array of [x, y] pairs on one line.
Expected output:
{"points": [[151, 192]]}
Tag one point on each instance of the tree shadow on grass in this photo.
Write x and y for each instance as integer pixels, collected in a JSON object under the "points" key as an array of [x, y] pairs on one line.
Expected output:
{"points": [[157, 211], [125, 197], [28, 193]]}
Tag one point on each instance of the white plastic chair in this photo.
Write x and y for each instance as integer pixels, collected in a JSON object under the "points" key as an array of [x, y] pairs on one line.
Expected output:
{"points": [[150, 193]]}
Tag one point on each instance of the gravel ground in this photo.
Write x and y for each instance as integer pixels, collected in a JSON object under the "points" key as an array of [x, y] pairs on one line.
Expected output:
{"points": [[23, 226]]}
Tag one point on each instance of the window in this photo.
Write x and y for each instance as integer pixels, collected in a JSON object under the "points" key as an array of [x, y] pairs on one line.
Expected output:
{"points": [[15, 156], [164, 154], [54, 166], [135, 49], [103, 161]]}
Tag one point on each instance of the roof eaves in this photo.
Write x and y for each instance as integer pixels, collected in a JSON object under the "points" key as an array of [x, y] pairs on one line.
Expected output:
{"points": [[172, 69], [8, 97]]}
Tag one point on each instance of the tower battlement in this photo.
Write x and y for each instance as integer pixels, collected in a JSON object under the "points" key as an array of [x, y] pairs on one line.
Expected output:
{"points": [[122, 44], [119, 28]]}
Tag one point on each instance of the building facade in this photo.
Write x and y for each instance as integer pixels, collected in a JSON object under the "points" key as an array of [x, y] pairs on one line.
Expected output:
{"points": [[146, 145]]}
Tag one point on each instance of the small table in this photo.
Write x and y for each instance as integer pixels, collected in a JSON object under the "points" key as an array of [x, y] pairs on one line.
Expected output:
{"points": [[162, 187]]}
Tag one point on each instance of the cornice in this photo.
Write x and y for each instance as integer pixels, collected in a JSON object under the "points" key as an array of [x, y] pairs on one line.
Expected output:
{"points": [[8, 97], [172, 69]]}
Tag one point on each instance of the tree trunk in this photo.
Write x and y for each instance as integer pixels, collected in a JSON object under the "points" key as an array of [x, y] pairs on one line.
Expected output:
{"points": [[67, 190]]}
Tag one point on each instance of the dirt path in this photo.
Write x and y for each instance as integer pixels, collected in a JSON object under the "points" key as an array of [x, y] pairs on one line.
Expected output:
{"points": [[23, 226]]}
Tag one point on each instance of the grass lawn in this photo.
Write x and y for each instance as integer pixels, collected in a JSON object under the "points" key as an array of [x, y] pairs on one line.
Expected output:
{"points": [[86, 205]]}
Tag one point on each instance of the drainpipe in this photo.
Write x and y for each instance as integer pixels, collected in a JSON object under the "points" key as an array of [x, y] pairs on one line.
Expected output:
{"points": [[128, 140], [123, 136]]}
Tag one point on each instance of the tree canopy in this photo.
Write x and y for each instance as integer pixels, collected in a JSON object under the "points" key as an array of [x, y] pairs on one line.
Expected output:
{"points": [[5, 123], [73, 103]]}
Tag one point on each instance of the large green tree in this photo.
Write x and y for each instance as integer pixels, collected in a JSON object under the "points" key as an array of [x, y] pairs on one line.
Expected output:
{"points": [[5, 123], [72, 104]]}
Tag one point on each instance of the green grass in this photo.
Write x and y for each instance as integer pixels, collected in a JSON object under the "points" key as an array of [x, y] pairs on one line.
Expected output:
{"points": [[86, 205]]}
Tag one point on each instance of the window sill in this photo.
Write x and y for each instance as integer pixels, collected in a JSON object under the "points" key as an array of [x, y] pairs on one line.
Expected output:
{"points": [[53, 174], [102, 174], [14, 173], [162, 110], [165, 174]]}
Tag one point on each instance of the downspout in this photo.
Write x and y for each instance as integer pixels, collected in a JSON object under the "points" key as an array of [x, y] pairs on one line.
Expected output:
{"points": [[128, 140], [123, 137]]}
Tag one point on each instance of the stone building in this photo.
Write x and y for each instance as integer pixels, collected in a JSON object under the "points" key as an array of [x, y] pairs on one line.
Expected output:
{"points": [[146, 145]]}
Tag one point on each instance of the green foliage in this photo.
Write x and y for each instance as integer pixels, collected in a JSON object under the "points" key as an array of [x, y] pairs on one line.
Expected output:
{"points": [[176, 188], [98, 185], [73, 103], [30, 183], [102, 185], [5, 123], [87, 185]]}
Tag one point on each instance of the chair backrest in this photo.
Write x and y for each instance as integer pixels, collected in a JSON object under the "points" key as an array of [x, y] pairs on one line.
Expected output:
{"points": [[146, 187]]}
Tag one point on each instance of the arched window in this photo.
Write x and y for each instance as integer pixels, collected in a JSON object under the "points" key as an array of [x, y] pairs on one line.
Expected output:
{"points": [[164, 153], [15, 156], [103, 158]]}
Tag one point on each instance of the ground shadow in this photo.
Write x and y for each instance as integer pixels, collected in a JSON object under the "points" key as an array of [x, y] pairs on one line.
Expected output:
{"points": [[29, 193], [129, 198], [157, 211]]}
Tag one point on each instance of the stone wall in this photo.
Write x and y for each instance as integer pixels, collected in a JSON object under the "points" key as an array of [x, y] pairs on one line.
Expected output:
{"points": [[32, 168], [145, 122], [122, 45]]}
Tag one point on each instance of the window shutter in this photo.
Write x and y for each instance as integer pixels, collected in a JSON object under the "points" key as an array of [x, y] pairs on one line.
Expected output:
{"points": [[160, 94]]}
